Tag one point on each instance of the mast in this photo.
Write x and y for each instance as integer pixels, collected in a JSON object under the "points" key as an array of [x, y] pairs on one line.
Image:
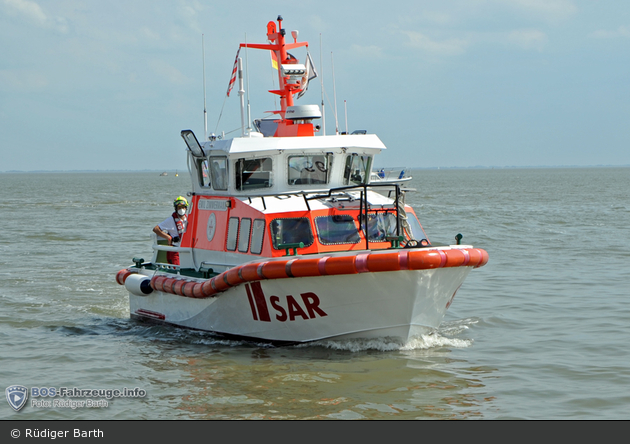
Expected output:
{"points": [[287, 98], [276, 35], [291, 79]]}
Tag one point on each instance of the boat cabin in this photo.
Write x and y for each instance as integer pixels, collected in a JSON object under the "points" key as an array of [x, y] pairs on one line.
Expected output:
{"points": [[280, 189], [258, 196]]}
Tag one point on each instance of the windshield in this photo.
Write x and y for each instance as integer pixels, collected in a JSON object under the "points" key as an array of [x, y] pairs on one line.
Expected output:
{"points": [[338, 229], [356, 169], [290, 231], [309, 169], [380, 226], [219, 172], [253, 173]]}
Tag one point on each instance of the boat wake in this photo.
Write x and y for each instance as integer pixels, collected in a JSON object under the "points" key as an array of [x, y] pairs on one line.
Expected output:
{"points": [[448, 335], [423, 342], [456, 327], [444, 336]]}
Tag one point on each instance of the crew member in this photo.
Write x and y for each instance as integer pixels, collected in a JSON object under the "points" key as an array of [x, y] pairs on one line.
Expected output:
{"points": [[173, 227]]}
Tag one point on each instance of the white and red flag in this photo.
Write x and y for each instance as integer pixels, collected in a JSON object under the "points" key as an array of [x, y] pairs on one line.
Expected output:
{"points": [[234, 70]]}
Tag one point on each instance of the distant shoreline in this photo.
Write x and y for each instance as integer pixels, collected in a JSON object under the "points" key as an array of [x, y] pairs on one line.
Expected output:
{"points": [[478, 167]]}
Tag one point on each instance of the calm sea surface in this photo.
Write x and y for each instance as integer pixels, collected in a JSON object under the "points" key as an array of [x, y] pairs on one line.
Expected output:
{"points": [[541, 332]]}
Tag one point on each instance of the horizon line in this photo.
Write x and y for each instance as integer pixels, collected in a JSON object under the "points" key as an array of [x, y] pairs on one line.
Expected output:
{"points": [[476, 167]]}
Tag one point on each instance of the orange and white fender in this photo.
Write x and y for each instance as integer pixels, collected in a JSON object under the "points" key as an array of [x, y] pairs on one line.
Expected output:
{"points": [[122, 276], [403, 259]]}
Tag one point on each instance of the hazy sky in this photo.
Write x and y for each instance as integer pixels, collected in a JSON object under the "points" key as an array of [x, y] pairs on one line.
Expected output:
{"points": [[89, 84]]}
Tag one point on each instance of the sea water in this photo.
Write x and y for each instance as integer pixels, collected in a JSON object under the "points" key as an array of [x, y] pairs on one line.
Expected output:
{"points": [[540, 332]]}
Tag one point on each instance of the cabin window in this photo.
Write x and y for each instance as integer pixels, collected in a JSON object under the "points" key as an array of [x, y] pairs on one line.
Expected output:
{"points": [[232, 233], [380, 226], [243, 235], [357, 168], [310, 169], [253, 173], [203, 172], [219, 172], [291, 231], [258, 234], [417, 232], [338, 229]]}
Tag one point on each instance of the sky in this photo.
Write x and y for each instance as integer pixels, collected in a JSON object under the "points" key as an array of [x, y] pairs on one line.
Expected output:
{"points": [[93, 85]]}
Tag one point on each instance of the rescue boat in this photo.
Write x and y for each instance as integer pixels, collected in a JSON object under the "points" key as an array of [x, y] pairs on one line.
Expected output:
{"points": [[288, 241], [389, 177]]}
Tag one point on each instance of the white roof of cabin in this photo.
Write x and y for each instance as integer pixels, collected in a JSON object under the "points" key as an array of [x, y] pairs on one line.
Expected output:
{"points": [[259, 145]]}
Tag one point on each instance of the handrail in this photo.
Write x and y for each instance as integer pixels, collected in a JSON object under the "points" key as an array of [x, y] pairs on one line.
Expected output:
{"points": [[159, 247], [297, 193], [222, 264], [365, 208]]}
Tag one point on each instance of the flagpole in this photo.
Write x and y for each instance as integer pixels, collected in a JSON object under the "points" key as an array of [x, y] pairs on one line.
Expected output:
{"points": [[230, 85], [249, 117]]}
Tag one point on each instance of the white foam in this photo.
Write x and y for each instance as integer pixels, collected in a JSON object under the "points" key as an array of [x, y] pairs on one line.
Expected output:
{"points": [[423, 342]]}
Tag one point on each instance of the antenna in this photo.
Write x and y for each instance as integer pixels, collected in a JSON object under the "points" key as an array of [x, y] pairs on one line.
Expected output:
{"points": [[321, 69], [249, 116], [345, 108], [205, 113], [241, 93], [334, 92]]}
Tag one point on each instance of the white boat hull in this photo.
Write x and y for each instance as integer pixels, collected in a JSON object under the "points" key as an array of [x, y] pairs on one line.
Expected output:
{"points": [[315, 308]]}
